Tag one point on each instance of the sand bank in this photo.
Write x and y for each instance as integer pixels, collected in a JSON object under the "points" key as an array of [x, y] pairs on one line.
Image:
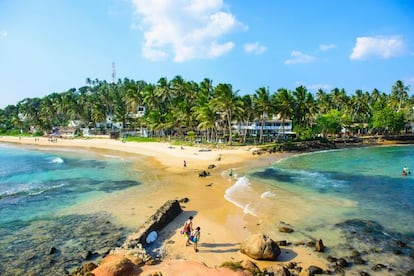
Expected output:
{"points": [[223, 225]]}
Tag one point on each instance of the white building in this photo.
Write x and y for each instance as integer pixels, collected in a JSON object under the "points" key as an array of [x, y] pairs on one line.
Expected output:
{"points": [[274, 127]]}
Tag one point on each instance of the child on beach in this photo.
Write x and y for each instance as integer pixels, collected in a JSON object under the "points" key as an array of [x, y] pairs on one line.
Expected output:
{"points": [[195, 237], [187, 229]]}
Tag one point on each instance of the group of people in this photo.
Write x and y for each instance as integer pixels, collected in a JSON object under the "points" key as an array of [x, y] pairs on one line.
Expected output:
{"points": [[191, 235]]}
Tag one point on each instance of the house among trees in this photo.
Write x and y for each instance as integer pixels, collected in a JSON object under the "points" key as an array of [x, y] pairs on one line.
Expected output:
{"points": [[273, 129]]}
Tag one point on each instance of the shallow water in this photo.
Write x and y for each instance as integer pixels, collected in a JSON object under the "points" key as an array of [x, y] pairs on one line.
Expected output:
{"points": [[36, 187], [317, 193]]}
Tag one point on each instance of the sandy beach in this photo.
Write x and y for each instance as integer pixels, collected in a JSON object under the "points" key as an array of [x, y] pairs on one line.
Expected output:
{"points": [[223, 225]]}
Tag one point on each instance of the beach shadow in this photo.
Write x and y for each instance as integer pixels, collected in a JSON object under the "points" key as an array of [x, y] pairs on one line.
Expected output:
{"points": [[286, 255], [169, 231], [219, 244], [220, 247]]}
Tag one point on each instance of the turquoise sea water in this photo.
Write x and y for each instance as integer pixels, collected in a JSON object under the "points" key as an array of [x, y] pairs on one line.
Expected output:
{"points": [[35, 186], [356, 197]]}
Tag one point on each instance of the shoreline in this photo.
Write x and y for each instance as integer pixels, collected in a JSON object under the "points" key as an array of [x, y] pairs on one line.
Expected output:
{"points": [[223, 224]]}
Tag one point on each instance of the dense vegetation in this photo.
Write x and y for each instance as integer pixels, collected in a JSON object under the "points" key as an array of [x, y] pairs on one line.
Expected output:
{"points": [[179, 107]]}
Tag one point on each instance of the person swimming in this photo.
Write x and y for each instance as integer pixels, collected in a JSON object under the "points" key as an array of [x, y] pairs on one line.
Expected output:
{"points": [[405, 171]]}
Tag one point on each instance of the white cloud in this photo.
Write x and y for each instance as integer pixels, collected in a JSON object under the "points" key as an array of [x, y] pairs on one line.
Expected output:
{"points": [[184, 29], [378, 46], [254, 48], [326, 47], [3, 34], [299, 57]]}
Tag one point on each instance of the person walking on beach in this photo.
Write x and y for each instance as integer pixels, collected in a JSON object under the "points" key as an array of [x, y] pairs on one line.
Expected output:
{"points": [[187, 229], [195, 237]]}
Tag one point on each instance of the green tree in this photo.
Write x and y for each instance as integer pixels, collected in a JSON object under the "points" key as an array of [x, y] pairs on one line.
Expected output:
{"points": [[226, 102], [263, 107], [388, 121], [399, 95], [330, 123], [284, 101]]}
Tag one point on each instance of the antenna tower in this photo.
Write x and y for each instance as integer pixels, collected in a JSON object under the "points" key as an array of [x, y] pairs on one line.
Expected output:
{"points": [[113, 72]]}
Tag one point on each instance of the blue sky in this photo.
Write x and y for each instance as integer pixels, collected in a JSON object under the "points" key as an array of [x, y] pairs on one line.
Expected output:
{"points": [[53, 45]]}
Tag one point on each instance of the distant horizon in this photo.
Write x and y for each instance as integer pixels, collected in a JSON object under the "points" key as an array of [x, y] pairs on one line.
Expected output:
{"points": [[320, 44]]}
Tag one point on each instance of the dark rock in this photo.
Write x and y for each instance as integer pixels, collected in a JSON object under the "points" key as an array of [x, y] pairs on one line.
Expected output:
{"points": [[285, 229], [363, 273], [203, 174], [184, 200], [355, 253], [87, 255], [331, 259], [250, 266], [53, 250], [151, 262], [315, 270], [378, 267], [319, 246], [282, 243], [260, 247], [401, 243], [341, 262], [211, 166], [277, 270], [164, 215], [373, 235], [311, 244], [292, 265], [158, 273], [358, 260], [397, 252]]}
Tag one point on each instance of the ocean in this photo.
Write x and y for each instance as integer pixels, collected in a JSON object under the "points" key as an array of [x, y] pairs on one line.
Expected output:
{"points": [[36, 187], [355, 200]]}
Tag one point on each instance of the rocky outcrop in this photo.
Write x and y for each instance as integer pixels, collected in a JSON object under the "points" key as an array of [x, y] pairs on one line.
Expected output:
{"points": [[319, 246], [117, 266], [260, 247], [134, 246], [163, 216]]}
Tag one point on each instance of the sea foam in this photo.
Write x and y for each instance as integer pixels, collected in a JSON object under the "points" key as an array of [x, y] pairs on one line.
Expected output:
{"points": [[57, 160], [241, 194]]}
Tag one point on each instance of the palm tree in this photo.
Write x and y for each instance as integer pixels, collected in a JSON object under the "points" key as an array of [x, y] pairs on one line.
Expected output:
{"points": [[226, 102], [247, 113], [339, 98], [324, 101], [262, 105], [305, 109], [399, 95], [202, 110], [284, 101]]}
